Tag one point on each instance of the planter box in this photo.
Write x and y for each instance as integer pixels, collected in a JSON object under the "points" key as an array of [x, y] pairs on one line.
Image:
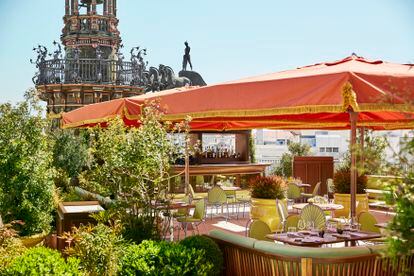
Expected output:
{"points": [[345, 200], [266, 211]]}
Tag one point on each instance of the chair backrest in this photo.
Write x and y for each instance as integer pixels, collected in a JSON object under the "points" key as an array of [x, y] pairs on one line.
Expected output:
{"points": [[330, 187], [258, 230], [314, 213], [316, 189], [291, 221], [282, 210], [293, 191], [199, 180], [184, 211], [191, 190], [368, 221], [216, 195], [199, 210]]}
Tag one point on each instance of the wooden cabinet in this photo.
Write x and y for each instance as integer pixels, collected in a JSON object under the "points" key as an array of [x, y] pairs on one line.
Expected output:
{"points": [[314, 169]]}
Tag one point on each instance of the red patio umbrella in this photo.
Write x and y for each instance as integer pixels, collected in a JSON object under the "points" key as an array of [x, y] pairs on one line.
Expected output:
{"points": [[345, 94]]}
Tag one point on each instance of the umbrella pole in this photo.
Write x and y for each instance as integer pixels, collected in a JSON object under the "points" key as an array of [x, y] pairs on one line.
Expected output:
{"points": [[353, 117], [362, 145], [186, 168]]}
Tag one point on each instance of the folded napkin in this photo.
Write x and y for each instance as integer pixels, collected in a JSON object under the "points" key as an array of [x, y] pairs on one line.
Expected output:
{"points": [[358, 234]]}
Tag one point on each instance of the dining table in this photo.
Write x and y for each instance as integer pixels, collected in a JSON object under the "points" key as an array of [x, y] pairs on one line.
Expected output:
{"points": [[323, 206], [167, 207], [312, 239]]}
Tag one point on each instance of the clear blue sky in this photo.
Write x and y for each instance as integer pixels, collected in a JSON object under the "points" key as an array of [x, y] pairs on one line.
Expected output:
{"points": [[229, 39]]}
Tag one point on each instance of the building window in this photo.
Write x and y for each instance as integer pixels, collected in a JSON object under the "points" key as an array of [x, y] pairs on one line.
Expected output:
{"points": [[321, 149], [335, 149], [328, 149], [309, 139], [280, 142]]}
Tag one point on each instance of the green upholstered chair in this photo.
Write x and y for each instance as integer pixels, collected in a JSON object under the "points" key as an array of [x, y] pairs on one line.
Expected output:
{"points": [[192, 193], [195, 220], [293, 192], [216, 197], [315, 191], [368, 222], [199, 181], [182, 212], [282, 212], [291, 221], [258, 230], [313, 213]]}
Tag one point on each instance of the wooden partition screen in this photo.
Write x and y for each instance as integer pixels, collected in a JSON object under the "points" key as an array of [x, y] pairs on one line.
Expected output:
{"points": [[314, 169]]}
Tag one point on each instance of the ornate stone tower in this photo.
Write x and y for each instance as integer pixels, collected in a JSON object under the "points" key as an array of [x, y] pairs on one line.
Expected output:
{"points": [[91, 68]]}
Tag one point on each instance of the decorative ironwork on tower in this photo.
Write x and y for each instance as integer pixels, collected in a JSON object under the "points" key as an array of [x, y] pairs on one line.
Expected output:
{"points": [[91, 68]]}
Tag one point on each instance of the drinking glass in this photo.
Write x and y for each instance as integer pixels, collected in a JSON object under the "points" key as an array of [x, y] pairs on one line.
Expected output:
{"points": [[291, 229]]}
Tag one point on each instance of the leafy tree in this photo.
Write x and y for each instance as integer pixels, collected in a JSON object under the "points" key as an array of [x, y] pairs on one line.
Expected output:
{"points": [[373, 154], [132, 165], [401, 196], [285, 166], [70, 156], [26, 186]]}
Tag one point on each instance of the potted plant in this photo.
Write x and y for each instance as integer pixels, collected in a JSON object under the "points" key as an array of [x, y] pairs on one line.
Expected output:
{"points": [[342, 183], [264, 192]]}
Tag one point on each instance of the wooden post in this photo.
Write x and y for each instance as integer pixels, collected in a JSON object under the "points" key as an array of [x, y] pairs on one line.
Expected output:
{"points": [[362, 145], [186, 169], [353, 117]]}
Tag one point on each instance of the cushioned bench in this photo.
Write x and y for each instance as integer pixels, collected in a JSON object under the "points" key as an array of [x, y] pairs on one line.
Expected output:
{"points": [[247, 256]]}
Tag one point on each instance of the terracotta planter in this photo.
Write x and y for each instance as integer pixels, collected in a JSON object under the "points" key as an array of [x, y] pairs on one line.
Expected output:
{"points": [[345, 200], [266, 211]]}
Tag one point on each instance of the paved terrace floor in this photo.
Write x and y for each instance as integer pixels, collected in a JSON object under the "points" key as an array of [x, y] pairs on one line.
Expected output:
{"points": [[238, 226]]}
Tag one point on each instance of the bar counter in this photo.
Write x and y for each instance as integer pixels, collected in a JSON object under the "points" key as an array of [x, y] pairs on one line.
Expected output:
{"points": [[223, 169]]}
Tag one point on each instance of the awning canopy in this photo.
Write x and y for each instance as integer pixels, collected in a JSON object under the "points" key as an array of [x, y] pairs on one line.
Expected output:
{"points": [[310, 97]]}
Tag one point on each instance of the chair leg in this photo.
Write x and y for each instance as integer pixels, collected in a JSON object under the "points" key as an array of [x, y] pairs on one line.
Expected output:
{"points": [[185, 230]]}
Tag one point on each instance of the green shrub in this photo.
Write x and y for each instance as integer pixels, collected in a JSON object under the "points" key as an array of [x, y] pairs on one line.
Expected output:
{"points": [[342, 181], [267, 187], [163, 258], [98, 248], [213, 253], [42, 261], [10, 249]]}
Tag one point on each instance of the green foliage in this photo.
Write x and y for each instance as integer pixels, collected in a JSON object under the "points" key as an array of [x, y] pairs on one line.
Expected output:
{"points": [[252, 148], [285, 166], [42, 261], [342, 181], [212, 251], [26, 184], [401, 196], [373, 154], [70, 155], [267, 187], [132, 165], [10, 249], [98, 248], [163, 258]]}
